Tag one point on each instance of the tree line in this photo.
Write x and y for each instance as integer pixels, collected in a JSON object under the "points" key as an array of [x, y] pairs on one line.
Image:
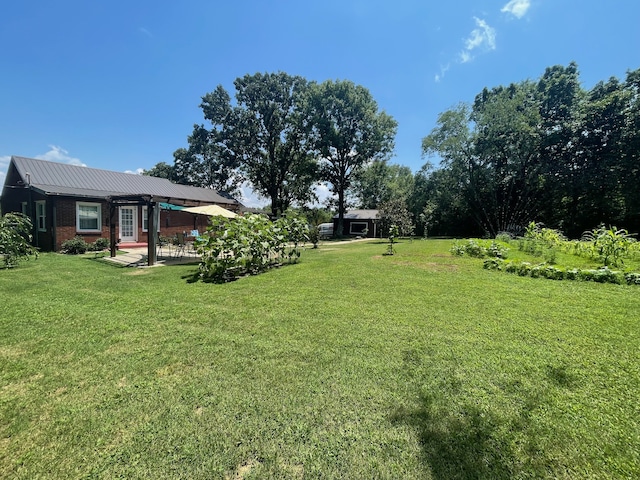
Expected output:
{"points": [[545, 150], [283, 135], [548, 151]]}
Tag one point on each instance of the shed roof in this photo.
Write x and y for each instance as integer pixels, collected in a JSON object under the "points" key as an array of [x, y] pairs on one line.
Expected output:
{"points": [[54, 178], [360, 215]]}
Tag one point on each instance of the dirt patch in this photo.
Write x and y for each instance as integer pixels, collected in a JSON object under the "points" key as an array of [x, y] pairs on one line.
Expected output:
{"points": [[138, 271], [243, 470]]}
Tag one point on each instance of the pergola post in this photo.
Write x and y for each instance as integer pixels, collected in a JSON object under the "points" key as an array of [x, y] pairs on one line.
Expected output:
{"points": [[151, 233], [113, 246]]}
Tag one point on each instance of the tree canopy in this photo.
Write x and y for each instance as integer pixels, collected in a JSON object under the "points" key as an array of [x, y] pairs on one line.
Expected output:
{"points": [[545, 150], [348, 133]]}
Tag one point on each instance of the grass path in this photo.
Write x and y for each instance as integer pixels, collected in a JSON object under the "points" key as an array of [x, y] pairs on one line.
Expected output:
{"points": [[351, 364]]}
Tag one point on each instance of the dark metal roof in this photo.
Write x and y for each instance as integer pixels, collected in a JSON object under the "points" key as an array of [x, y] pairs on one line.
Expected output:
{"points": [[54, 178]]}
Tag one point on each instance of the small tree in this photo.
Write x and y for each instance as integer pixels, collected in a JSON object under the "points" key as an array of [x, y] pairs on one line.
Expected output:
{"points": [[393, 235], [15, 235], [394, 212]]}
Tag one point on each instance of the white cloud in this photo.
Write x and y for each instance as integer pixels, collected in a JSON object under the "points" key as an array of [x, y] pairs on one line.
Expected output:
{"points": [[145, 32], [137, 171], [481, 38], [323, 192], [443, 70], [517, 8], [251, 199], [55, 154], [59, 154]]}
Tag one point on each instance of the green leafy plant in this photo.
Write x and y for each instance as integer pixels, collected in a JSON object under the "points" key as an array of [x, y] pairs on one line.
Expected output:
{"points": [[248, 245], [504, 237], [75, 246], [98, 245], [541, 242], [478, 249], [610, 244], [15, 238]]}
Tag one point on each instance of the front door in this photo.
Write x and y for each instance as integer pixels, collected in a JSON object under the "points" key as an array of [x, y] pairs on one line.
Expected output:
{"points": [[128, 224]]}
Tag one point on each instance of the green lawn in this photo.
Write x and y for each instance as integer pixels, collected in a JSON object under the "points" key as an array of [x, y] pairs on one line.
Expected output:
{"points": [[351, 364]]}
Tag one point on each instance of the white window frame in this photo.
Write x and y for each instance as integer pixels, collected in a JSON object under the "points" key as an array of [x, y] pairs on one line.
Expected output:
{"points": [[89, 204], [41, 215], [145, 227], [361, 232]]}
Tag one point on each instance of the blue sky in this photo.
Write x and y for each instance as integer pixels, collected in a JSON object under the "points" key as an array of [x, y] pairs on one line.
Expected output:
{"points": [[117, 84]]}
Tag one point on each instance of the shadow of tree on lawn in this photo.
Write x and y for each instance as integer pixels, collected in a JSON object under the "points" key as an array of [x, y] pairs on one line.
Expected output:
{"points": [[462, 444], [466, 438]]}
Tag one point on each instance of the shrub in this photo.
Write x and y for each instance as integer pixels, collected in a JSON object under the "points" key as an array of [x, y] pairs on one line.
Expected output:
{"points": [[553, 273], [550, 255], [99, 245], [15, 235], [493, 263], [497, 250], [457, 249], [632, 278], [524, 269], [479, 249], [504, 237], [75, 246], [248, 245], [314, 236]]}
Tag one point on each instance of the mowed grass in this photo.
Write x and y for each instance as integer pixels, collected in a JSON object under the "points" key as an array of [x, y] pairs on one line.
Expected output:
{"points": [[350, 364]]}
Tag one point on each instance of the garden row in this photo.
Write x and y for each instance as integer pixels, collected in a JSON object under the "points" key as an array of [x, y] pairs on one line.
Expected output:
{"points": [[610, 247], [544, 270]]}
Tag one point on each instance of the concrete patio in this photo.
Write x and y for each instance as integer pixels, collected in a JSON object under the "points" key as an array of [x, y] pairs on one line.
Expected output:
{"points": [[137, 257]]}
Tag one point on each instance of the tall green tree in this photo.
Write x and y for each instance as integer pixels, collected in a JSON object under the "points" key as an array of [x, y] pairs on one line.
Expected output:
{"points": [[560, 98], [266, 134], [161, 170], [453, 187], [631, 152], [205, 162], [349, 132], [506, 171], [379, 181]]}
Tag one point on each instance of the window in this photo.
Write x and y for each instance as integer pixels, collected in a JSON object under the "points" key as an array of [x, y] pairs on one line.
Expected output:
{"points": [[88, 217], [41, 216], [357, 228], [145, 220]]}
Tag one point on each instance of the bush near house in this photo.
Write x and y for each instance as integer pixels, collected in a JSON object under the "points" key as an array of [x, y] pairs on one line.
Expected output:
{"points": [[15, 239]]}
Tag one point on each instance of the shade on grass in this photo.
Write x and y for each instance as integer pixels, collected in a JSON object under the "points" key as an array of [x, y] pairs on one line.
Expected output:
{"points": [[351, 364]]}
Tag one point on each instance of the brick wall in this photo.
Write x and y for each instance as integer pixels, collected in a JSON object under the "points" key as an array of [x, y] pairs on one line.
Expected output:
{"points": [[66, 223]]}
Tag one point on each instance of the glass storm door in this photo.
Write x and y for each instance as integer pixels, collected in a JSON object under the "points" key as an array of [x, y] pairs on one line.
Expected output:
{"points": [[128, 228]]}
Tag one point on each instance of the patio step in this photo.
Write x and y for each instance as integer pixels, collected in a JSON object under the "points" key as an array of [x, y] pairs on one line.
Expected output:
{"points": [[125, 245]]}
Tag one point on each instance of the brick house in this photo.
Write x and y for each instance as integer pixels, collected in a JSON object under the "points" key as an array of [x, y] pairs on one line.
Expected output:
{"points": [[65, 201]]}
